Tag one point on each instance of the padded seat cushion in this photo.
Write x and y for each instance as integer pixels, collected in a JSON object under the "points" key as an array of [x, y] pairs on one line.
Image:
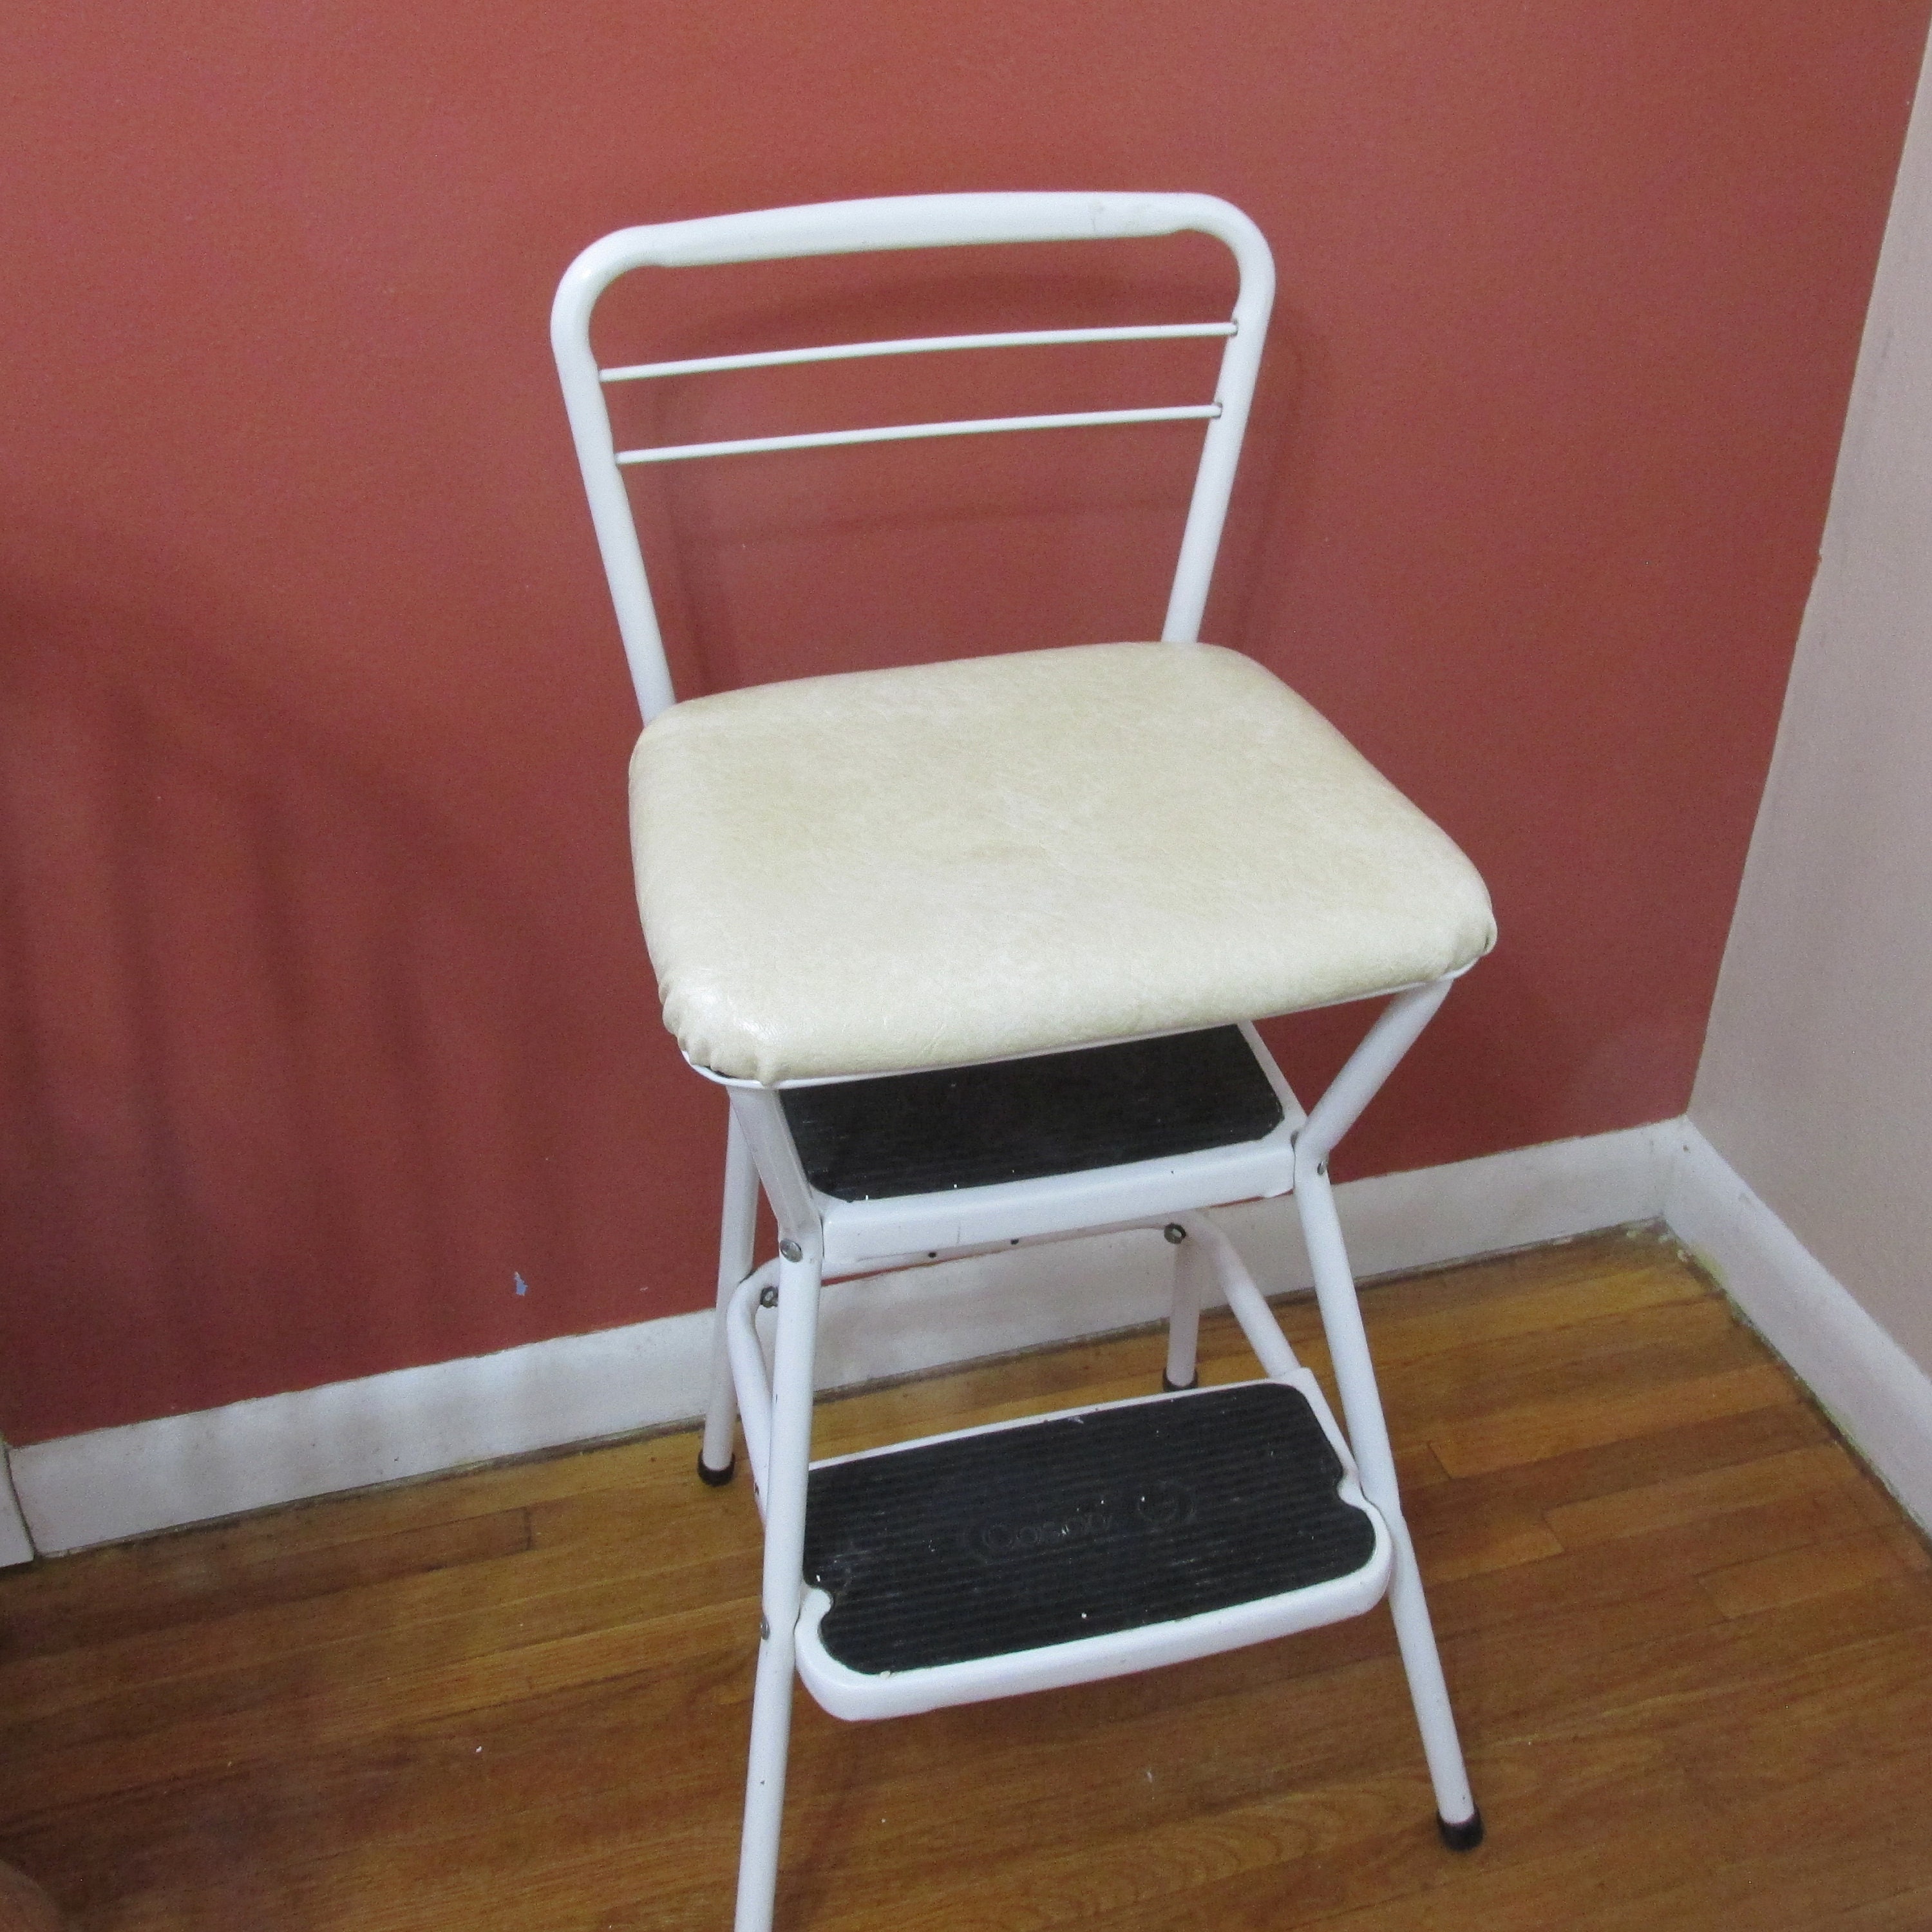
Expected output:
{"points": [[959, 862]]}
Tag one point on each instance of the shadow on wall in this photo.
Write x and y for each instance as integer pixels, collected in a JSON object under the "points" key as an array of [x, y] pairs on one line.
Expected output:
{"points": [[314, 1046], [286, 1065]]}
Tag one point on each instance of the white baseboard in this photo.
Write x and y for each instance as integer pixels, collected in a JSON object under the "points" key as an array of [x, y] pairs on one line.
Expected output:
{"points": [[1874, 1391], [115, 1484]]}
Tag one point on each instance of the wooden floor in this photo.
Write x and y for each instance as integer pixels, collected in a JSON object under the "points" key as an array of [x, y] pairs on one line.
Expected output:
{"points": [[1689, 1642]]}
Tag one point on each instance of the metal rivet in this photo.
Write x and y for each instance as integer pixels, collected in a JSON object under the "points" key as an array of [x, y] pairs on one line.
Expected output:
{"points": [[768, 1295], [791, 1251], [1321, 1167], [1175, 1232], [764, 1630]]}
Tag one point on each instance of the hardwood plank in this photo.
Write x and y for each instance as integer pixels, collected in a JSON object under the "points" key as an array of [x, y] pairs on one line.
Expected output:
{"points": [[1295, 1856], [1571, 1281], [1821, 1715], [1626, 1349], [90, 1577], [1543, 1429], [1686, 1674], [1694, 1498], [211, 1588], [1406, 1879], [1476, 1540], [1644, 1457], [1908, 1911], [586, 1563], [562, 1797], [1522, 1303], [1908, 1544], [1492, 1515], [1607, 1572], [355, 1688], [1796, 1576], [1801, 1853]]}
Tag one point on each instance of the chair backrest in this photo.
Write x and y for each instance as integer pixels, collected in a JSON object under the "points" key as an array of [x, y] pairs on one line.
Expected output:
{"points": [[920, 221]]}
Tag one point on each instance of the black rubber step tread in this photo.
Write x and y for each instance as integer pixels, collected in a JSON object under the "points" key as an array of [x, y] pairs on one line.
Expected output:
{"points": [[1077, 1526], [1019, 1119]]}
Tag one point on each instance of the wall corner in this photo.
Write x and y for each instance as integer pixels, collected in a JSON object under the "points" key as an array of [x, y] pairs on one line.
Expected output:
{"points": [[16, 1545]]}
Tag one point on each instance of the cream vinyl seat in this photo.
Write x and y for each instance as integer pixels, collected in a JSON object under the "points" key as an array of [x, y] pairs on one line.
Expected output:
{"points": [[975, 948], [1006, 855]]}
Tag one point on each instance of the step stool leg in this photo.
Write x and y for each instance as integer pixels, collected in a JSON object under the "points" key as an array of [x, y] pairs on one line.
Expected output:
{"points": [[764, 1785], [1455, 1813], [1183, 1321], [716, 1458], [783, 1592], [1368, 1437]]}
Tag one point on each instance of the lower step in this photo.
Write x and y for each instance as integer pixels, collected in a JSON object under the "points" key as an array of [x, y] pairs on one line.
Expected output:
{"points": [[1081, 1545]]}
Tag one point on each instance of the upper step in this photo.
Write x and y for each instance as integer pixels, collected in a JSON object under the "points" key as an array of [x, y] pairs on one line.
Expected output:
{"points": [[1019, 1120]]}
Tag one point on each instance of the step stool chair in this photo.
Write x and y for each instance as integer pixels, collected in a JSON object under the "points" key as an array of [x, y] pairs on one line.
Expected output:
{"points": [[975, 948]]}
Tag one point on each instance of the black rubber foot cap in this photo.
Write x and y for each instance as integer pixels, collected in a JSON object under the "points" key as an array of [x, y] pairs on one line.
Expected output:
{"points": [[1465, 1837], [1175, 1388], [717, 1478]]}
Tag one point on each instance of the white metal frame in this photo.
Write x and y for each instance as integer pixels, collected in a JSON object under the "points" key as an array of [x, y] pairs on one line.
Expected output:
{"points": [[821, 1237], [916, 221]]}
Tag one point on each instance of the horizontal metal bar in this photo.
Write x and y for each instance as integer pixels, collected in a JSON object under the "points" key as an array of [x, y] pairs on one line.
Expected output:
{"points": [[913, 345], [831, 439]]}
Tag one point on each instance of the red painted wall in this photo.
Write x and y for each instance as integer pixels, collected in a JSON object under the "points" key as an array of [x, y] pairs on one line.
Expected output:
{"points": [[325, 1012]]}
